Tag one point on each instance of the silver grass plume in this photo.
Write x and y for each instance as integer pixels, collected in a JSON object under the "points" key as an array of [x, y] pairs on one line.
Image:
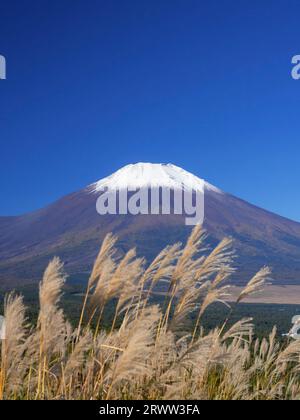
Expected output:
{"points": [[256, 284]]}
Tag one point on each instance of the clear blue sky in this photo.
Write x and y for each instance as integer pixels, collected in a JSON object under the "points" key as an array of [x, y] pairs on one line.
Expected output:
{"points": [[93, 85]]}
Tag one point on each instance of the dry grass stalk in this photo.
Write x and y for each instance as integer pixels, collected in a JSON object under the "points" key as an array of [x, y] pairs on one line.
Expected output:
{"points": [[150, 355]]}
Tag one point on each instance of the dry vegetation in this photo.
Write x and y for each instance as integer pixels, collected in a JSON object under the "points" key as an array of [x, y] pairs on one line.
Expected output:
{"points": [[148, 351]]}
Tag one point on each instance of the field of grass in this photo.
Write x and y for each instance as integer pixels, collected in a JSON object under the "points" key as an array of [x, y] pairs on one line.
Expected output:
{"points": [[119, 340], [264, 315]]}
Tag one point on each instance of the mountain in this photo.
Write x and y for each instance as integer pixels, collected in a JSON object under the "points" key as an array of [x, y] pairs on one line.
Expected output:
{"points": [[72, 229]]}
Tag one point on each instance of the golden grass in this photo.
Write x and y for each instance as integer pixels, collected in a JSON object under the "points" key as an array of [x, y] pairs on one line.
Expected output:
{"points": [[151, 354]]}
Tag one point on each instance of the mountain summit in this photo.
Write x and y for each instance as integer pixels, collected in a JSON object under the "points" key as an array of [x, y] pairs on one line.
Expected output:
{"points": [[72, 229], [141, 175]]}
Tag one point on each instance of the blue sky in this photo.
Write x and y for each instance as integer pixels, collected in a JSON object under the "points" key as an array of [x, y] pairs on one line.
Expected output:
{"points": [[93, 85]]}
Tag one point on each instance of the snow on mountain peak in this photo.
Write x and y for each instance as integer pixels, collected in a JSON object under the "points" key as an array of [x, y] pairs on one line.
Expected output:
{"points": [[140, 175]]}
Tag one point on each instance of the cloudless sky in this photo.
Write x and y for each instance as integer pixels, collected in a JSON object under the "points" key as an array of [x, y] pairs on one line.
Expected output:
{"points": [[93, 85]]}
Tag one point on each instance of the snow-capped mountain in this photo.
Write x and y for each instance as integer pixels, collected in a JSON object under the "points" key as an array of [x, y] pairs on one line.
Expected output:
{"points": [[72, 229], [141, 175]]}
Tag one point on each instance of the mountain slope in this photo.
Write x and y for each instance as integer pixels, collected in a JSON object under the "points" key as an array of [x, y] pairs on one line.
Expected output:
{"points": [[72, 229]]}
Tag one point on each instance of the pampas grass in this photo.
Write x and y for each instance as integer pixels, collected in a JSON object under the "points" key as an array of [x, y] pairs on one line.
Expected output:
{"points": [[149, 351]]}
